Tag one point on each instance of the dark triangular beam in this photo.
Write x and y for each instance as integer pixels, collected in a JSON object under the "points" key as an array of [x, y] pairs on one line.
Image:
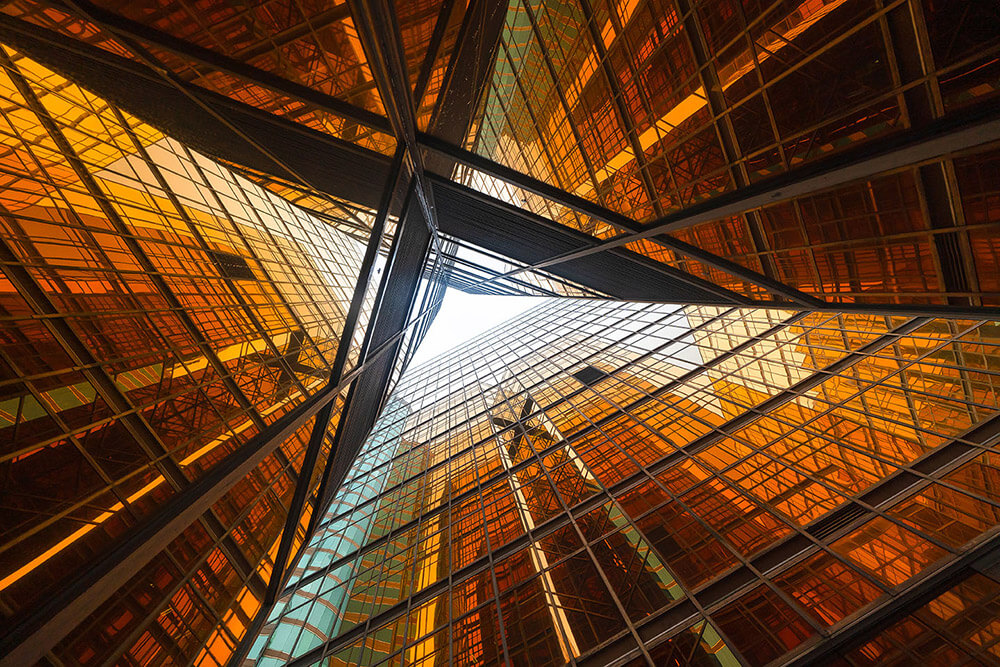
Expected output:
{"points": [[328, 164]]}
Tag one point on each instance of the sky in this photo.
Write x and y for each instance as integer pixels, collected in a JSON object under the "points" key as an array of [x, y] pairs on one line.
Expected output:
{"points": [[464, 316]]}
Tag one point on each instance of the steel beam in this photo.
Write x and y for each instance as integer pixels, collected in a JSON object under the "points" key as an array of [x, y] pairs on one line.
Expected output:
{"points": [[333, 166], [379, 35], [467, 76], [401, 283], [279, 572], [440, 27], [222, 63], [632, 230], [960, 131], [477, 218], [336, 373]]}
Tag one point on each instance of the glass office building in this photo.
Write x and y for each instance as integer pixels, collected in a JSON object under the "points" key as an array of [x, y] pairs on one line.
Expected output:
{"points": [[752, 422], [159, 312], [606, 482]]}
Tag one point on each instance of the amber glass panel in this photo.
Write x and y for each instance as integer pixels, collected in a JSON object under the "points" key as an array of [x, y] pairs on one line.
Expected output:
{"points": [[892, 553], [961, 623], [827, 588], [761, 626]]}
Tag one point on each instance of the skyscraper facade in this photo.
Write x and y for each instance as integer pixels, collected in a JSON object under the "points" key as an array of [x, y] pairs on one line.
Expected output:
{"points": [[159, 312], [608, 483], [225, 226]]}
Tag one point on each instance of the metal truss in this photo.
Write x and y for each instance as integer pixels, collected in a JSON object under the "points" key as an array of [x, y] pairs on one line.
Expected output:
{"points": [[938, 135]]}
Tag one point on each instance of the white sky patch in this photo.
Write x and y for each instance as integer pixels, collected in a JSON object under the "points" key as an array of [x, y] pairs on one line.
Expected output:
{"points": [[464, 316]]}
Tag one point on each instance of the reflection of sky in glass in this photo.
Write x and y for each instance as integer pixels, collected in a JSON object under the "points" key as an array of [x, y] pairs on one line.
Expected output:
{"points": [[456, 341], [464, 316]]}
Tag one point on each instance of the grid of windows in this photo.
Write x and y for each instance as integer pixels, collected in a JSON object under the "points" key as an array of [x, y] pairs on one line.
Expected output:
{"points": [[648, 107], [593, 483], [158, 311], [309, 44], [504, 510]]}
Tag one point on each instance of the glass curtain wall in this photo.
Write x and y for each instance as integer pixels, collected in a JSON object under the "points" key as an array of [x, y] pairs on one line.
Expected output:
{"points": [[157, 311], [648, 107], [549, 490]]}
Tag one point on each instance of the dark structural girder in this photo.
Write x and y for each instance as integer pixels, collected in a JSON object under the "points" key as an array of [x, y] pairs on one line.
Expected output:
{"points": [[399, 289], [222, 63], [466, 78], [322, 424], [336, 167], [347, 171], [336, 373], [471, 216]]}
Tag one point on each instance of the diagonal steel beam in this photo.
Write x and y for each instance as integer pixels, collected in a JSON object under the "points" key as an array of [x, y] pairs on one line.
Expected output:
{"points": [[632, 230], [440, 27], [469, 70], [379, 34], [280, 571], [215, 60], [478, 218], [399, 289], [336, 373], [960, 131]]}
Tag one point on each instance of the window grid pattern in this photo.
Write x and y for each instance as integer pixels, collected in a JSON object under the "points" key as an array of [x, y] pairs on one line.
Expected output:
{"points": [[503, 510], [650, 107], [159, 310]]}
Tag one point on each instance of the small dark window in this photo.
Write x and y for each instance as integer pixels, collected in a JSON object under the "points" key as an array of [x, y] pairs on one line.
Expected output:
{"points": [[589, 375], [232, 266]]}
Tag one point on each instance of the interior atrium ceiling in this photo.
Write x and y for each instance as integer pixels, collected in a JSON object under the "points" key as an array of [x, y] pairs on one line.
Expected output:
{"points": [[225, 227]]}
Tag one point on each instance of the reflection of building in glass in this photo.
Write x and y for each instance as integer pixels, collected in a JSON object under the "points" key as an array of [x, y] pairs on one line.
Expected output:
{"points": [[160, 311], [343, 529], [648, 107], [599, 481], [225, 226]]}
